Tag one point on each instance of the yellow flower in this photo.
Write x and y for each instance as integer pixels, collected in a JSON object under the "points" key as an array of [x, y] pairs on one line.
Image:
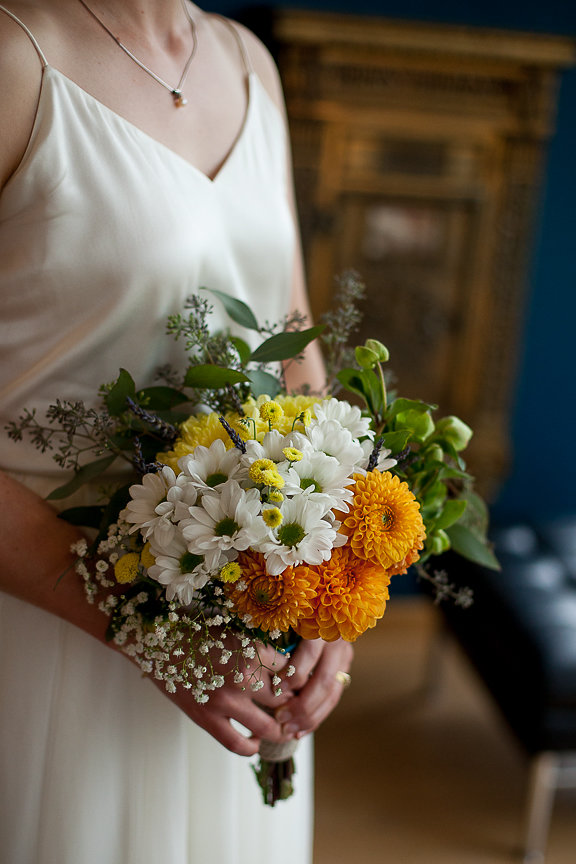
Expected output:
{"points": [[273, 478], [273, 602], [259, 467], [146, 557], [292, 454], [264, 472], [206, 428], [292, 406], [197, 429], [126, 568], [351, 597], [231, 572], [272, 516], [384, 523], [275, 496], [271, 411], [305, 417]]}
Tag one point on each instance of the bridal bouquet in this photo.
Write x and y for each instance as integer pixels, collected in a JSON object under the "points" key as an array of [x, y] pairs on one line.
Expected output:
{"points": [[253, 516]]}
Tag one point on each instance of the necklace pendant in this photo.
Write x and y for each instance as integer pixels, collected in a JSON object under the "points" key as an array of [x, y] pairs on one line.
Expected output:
{"points": [[179, 100]]}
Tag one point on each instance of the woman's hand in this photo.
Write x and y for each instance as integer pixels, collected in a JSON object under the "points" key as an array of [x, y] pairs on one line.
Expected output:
{"points": [[316, 687], [240, 703]]}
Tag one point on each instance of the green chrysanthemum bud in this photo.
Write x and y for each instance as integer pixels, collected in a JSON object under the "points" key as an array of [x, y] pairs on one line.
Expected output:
{"points": [[379, 349], [455, 431]]}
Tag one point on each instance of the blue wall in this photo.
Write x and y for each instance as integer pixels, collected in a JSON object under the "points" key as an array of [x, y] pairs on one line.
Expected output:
{"points": [[542, 481]]}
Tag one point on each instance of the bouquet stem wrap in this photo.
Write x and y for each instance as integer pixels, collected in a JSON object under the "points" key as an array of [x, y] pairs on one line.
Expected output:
{"points": [[276, 769]]}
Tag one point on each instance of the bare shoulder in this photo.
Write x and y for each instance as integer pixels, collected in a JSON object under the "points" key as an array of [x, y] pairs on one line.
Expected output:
{"points": [[262, 63], [21, 76]]}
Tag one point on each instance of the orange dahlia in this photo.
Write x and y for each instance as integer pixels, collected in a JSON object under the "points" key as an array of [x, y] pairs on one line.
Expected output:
{"points": [[272, 602], [384, 524], [351, 597]]}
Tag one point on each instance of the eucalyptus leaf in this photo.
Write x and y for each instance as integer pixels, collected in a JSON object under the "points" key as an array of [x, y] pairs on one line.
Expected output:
{"points": [[122, 388], [284, 346], [83, 475], [207, 375], [236, 309], [242, 347], [467, 544], [263, 383]]}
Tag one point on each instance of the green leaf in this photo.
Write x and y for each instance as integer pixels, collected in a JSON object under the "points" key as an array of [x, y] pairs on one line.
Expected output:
{"points": [[263, 383], [451, 513], [365, 383], [400, 405], [236, 309], [86, 517], [122, 388], [284, 346], [160, 398], [396, 441], [467, 544], [83, 475], [351, 379], [243, 349], [214, 377]]}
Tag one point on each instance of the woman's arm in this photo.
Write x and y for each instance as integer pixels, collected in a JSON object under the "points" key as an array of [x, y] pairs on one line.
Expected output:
{"points": [[21, 76]]}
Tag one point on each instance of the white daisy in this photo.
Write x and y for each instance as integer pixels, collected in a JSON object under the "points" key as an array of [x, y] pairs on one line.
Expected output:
{"points": [[322, 478], [151, 505], [225, 522], [334, 440], [304, 536], [349, 416], [272, 445], [179, 570], [210, 467]]}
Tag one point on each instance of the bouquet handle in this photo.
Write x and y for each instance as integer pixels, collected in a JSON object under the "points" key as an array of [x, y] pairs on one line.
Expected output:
{"points": [[275, 769]]}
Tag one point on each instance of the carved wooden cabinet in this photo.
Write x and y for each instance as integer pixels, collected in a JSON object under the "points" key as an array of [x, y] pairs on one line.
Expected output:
{"points": [[417, 153]]}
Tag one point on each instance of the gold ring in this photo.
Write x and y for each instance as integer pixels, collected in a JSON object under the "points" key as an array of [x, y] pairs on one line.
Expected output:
{"points": [[344, 679]]}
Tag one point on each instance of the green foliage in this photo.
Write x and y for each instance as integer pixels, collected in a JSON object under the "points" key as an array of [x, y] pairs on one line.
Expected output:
{"points": [[207, 376], [83, 475], [123, 388], [285, 346], [238, 311]]}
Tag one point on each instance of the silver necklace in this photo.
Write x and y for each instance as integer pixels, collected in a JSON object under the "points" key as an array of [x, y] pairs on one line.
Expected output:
{"points": [[176, 92]]}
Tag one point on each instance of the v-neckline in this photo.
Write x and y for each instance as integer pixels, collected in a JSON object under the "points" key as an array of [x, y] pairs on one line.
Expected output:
{"points": [[251, 78]]}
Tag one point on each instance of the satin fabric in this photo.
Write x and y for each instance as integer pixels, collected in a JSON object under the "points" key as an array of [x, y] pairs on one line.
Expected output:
{"points": [[104, 232]]}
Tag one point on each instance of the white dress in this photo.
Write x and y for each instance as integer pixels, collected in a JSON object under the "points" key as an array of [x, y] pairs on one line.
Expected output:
{"points": [[104, 232]]}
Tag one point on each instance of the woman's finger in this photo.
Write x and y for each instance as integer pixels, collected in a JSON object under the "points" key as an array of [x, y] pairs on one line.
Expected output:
{"points": [[321, 693]]}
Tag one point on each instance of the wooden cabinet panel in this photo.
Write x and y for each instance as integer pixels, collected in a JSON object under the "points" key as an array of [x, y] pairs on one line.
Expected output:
{"points": [[417, 152]]}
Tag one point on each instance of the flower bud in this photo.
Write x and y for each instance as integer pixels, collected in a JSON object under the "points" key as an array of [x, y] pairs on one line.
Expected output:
{"points": [[455, 431], [365, 357], [440, 542], [420, 423], [435, 453], [379, 349]]}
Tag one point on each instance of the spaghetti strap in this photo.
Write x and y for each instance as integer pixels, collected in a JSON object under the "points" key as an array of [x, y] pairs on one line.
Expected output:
{"points": [[29, 33], [239, 41]]}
